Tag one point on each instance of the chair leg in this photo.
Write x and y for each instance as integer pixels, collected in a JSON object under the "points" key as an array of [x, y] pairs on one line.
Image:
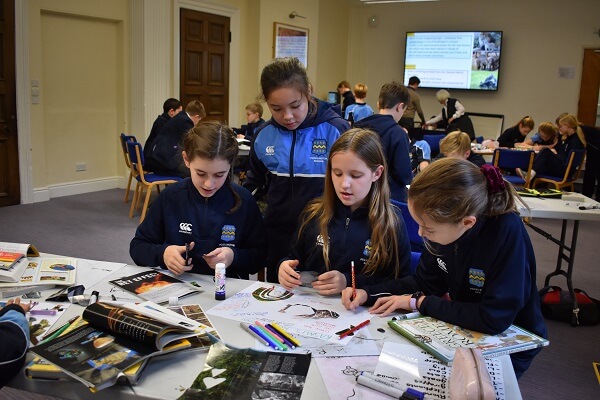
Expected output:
{"points": [[134, 201], [146, 201], [128, 188]]}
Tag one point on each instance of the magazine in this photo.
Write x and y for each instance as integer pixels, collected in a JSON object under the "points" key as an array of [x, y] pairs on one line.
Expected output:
{"points": [[13, 273], [115, 338], [155, 286], [9, 259], [231, 373], [441, 339], [44, 271]]}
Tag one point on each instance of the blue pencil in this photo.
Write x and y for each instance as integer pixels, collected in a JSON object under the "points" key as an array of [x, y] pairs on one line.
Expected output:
{"points": [[258, 330]]}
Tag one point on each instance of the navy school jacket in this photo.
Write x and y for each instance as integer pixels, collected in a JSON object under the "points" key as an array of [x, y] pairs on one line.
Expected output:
{"points": [[14, 341]]}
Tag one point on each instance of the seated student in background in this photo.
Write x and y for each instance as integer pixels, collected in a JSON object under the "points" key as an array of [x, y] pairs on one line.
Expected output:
{"points": [[346, 95], [14, 338], [458, 145], [217, 218], [354, 221], [453, 115], [468, 219], [166, 153], [545, 137], [420, 153], [254, 112], [360, 109], [516, 133], [554, 161], [393, 98], [171, 107]]}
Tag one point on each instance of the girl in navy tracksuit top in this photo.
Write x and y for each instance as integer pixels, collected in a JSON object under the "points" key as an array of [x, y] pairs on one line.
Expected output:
{"points": [[14, 339], [354, 221], [218, 219], [290, 151], [480, 271]]}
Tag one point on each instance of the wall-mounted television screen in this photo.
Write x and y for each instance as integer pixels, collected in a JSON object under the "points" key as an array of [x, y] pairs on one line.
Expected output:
{"points": [[454, 60]]}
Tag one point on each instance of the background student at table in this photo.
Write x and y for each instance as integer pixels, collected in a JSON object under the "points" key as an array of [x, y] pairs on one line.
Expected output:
{"points": [[393, 98], [217, 218], [254, 112], [360, 109], [478, 253], [353, 221], [289, 155], [171, 107], [458, 145], [516, 133], [545, 137], [452, 116], [14, 338], [554, 161]]}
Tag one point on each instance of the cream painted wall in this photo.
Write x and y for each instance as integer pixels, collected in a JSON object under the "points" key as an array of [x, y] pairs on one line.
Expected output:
{"points": [[539, 37]]}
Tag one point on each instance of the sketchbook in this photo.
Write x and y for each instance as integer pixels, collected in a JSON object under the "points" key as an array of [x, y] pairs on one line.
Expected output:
{"points": [[13, 272], [441, 339], [115, 338], [155, 286]]}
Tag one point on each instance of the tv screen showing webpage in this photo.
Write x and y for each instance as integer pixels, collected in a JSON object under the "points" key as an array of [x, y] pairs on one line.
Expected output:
{"points": [[454, 60]]}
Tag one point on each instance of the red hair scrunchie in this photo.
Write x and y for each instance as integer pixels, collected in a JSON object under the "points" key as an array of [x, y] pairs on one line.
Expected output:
{"points": [[494, 178]]}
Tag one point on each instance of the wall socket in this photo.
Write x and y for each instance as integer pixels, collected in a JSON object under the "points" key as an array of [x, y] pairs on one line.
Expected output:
{"points": [[80, 166]]}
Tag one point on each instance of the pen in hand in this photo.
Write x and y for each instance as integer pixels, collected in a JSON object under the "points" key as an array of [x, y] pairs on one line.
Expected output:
{"points": [[187, 254]]}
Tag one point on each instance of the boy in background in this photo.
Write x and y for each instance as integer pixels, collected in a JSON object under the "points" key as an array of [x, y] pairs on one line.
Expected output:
{"points": [[457, 144], [171, 107], [254, 112], [393, 98], [346, 95], [360, 109]]}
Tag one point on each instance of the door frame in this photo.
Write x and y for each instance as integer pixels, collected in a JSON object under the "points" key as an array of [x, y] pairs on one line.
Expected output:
{"points": [[234, 49]]}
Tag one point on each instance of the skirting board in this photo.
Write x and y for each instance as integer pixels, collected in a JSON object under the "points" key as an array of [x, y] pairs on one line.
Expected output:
{"points": [[71, 188]]}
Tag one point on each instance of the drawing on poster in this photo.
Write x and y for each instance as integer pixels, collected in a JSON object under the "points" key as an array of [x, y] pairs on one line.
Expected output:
{"points": [[271, 294], [316, 314]]}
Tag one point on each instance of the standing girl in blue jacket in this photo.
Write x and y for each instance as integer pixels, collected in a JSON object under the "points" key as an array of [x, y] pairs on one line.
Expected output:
{"points": [[353, 222], [289, 156], [218, 220], [479, 271]]}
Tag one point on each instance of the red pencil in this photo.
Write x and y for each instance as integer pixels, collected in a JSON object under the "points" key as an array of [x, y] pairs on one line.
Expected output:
{"points": [[352, 330], [353, 280]]}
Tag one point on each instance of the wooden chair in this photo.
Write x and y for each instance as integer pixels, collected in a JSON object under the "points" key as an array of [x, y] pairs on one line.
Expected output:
{"points": [[575, 163], [124, 139], [511, 159], [145, 181]]}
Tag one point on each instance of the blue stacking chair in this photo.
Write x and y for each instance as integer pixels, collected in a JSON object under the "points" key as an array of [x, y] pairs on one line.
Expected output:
{"points": [[511, 159], [145, 181], [574, 163], [416, 241], [124, 139], [434, 143], [414, 261]]}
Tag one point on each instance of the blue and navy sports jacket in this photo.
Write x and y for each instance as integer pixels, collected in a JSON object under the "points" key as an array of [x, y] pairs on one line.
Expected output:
{"points": [[293, 163], [489, 274], [350, 240], [181, 215], [396, 148]]}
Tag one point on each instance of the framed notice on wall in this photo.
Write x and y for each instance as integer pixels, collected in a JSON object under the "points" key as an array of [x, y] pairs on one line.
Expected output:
{"points": [[290, 41]]}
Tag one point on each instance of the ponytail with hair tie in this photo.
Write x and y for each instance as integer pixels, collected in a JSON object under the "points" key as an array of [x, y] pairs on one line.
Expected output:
{"points": [[494, 179]]}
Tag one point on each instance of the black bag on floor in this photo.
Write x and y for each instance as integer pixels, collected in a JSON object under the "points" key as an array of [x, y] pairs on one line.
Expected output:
{"points": [[557, 305]]}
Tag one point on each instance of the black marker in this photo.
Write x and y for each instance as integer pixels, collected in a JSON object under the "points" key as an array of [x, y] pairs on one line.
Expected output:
{"points": [[187, 254]]}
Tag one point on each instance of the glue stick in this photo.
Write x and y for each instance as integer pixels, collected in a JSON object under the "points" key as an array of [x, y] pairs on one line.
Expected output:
{"points": [[220, 281]]}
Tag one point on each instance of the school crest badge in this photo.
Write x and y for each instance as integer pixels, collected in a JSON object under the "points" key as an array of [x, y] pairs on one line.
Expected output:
{"points": [[319, 147], [476, 277], [228, 233], [367, 249]]}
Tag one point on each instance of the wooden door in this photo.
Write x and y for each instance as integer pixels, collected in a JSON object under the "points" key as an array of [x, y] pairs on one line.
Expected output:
{"points": [[9, 150], [590, 86], [204, 62]]}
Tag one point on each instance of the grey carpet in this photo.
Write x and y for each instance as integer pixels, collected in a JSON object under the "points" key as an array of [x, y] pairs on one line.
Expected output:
{"points": [[96, 226]]}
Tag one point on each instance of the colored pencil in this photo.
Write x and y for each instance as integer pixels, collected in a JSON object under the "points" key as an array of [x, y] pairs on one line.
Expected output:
{"points": [[268, 333], [248, 328], [285, 333], [65, 325], [353, 280], [272, 342], [279, 336], [354, 329]]}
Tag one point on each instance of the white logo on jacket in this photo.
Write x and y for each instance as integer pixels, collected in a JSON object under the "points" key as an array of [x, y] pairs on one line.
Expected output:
{"points": [[270, 150], [442, 265], [185, 227]]}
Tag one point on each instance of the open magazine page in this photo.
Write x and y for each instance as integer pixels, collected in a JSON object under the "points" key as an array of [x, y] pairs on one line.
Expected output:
{"points": [[155, 286], [231, 373]]}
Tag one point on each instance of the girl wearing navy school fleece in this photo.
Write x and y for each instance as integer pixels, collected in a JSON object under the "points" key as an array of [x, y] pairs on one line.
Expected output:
{"points": [[14, 338], [217, 218], [479, 255], [353, 221]]}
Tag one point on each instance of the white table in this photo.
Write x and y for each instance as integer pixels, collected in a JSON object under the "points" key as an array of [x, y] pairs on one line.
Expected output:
{"points": [[164, 376], [567, 210]]}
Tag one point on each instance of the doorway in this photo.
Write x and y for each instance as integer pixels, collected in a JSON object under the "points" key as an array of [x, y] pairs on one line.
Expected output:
{"points": [[10, 191], [587, 112], [204, 62]]}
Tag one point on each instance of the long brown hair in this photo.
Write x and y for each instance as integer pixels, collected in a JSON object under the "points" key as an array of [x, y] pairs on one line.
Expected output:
{"points": [[210, 140], [383, 220]]}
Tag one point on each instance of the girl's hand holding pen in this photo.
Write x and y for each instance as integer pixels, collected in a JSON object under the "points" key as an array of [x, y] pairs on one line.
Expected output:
{"points": [[219, 255], [359, 299], [174, 258], [288, 277]]}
